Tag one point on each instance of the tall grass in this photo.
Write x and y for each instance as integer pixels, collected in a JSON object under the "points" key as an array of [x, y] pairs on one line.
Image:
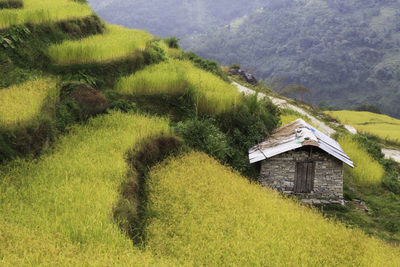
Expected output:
{"points": [[39, 11], [378, 124], [117, 42], [57, 211], [367, 171], [203, 214], [288, 115], [175, 77], [23, 103]]}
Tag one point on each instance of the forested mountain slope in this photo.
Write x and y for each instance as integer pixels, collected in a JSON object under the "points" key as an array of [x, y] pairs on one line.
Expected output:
{"points": [[346, 52], [173, 17]]}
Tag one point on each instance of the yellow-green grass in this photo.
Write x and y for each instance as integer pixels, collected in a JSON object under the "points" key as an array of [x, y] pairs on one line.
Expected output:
{"points": [[39, 11], [367, 171], [378, 124], [204, 214], [175, 77], [20, 104], [115, 43], [289, 115], [57, 211]]}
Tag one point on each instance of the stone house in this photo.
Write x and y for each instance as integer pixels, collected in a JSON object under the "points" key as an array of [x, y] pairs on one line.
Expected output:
{"points": [[300, 160]]}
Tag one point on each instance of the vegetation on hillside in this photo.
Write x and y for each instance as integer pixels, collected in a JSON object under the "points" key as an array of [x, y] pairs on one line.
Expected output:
{"points": [[380, 125], [345, 52], [39, 11], [21, 104], [367, 171], [116, 43], [176, 77], [201, 213], [57, 210]]}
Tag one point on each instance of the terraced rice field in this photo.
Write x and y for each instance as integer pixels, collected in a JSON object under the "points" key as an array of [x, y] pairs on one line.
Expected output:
{"points": [[176, 77], [378, 124], [39, 11], [203, 214], [57, 211], [20, 104], [115, 43]]}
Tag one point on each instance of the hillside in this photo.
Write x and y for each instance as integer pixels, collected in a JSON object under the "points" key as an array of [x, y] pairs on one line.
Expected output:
{"points": [[345, 52], [172, 17], [118, 148]]}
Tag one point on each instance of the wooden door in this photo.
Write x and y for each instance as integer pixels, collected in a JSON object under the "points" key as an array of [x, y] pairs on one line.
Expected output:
{"points": [[304, 177]]}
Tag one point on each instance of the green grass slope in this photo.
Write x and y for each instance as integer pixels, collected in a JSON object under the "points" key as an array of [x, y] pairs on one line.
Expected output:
{"points": [[39, 11], [203, 214], [380, 125], [58, 210], [116, 43]]}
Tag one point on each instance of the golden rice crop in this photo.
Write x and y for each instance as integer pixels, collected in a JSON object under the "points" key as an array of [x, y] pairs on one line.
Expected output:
{"points": [[289, 115], [22, 103], [367, 122], [39, 11], [57, 211], [203, 214], [176, 76], [115, 43], [367, 171]]}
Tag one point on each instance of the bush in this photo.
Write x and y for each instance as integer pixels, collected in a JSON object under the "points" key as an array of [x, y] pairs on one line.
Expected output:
{"points": [[77, 103], [204, 136], [206, 64], [11, 4], [155, 52], [246, 125], [172, 42]]}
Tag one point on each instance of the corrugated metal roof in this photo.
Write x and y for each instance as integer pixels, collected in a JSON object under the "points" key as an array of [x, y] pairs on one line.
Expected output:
{"points": [[295, 135]]}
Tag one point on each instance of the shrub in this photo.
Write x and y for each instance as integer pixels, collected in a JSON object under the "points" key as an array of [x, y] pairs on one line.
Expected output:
{"points": [[206, 64], [172, 42], [204, 136], [78, 102], [155, 52], [245, 126], [11, 4]]}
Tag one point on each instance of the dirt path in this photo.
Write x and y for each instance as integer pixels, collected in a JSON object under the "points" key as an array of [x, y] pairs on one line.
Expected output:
{"points": [[391, 153], [284, 104]]}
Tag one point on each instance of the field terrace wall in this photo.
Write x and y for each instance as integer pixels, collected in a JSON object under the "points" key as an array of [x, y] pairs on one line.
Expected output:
{"points": [[279, 173]]}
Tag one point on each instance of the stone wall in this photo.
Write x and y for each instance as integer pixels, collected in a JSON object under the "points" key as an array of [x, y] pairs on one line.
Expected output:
{"points": [[279, 173]]}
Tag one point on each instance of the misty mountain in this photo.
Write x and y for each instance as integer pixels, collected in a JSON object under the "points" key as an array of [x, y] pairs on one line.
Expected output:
{"points": [[347, 52], [172, 17]]}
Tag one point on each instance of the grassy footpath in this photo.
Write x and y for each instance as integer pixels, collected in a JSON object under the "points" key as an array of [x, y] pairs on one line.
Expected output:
{"points": [[39, 11], [212, 94], [58, 210], [116, 43], [377, 124], [21, 104], [202, 213]]}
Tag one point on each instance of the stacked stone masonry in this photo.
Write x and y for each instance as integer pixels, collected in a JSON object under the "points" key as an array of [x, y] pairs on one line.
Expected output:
{"points": [[279, 173]]}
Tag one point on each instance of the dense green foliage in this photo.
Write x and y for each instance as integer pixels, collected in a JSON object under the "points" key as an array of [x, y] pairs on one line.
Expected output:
{"points": [[345, 52], [173, 17]]}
